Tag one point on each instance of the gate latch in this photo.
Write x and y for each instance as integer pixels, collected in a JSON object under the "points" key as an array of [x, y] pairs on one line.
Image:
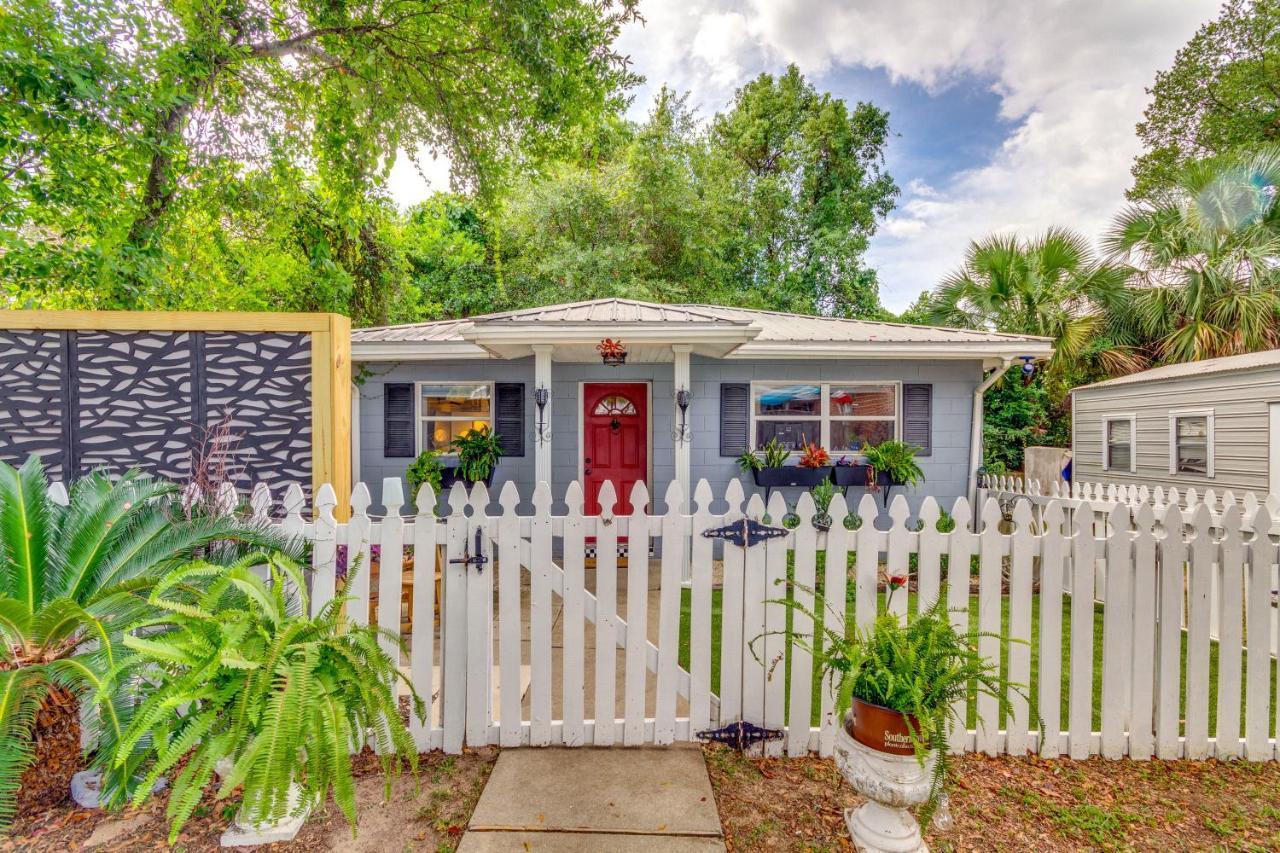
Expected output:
{"points": [[745, 533], [478, 559]]}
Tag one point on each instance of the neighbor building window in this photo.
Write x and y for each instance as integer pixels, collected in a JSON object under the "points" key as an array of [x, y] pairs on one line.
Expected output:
{"points": [[1191, 443], [840, 416], [449, 410], [1118, 452]]}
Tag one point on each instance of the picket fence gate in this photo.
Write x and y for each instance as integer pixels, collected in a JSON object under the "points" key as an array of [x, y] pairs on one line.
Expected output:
{"points": [[1023, 561]]}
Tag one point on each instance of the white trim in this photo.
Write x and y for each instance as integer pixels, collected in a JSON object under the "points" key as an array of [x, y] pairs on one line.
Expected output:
{"points": [[824, 416], [582, 437], [1273, 448], [1133, 440], [419, 416], [1174, 415], [891, 349], [416, 351]]}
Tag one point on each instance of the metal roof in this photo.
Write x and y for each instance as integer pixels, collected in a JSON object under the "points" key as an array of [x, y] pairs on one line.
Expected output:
{"points": [[773, 326], [1226, 364]]}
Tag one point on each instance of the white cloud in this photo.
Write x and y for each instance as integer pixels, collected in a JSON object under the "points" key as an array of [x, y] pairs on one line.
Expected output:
{"points": [[1070, 74]]}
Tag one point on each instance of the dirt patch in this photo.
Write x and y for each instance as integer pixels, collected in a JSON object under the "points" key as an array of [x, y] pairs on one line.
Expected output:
{"points": [[1015, 804], [428, 813]]}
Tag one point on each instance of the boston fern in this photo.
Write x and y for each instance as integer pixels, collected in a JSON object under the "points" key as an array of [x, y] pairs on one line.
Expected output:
{"points": [[918, 665], [239, 675], [71, 577], [478, 453]]}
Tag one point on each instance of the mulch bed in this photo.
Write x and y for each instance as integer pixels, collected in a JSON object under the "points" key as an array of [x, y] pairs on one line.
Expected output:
{"points": [[428, 813], [1015, 804]]}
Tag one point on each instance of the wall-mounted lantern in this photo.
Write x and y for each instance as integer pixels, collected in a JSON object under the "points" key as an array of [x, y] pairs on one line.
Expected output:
{"points": [[612, 352], [541, 396], [681, 431]]}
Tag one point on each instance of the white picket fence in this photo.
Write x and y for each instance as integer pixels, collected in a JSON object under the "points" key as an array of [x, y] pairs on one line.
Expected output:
{"points": [[1169, 558]]}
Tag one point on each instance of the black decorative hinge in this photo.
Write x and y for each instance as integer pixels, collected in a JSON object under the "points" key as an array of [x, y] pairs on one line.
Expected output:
{"points": [[740, 735], [478, 559], [745, 533]]}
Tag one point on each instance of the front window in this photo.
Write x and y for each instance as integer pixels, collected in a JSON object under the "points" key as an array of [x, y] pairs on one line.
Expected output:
{"points": [[843, 417], [1119, 441], [449, 410], [1191, 444]]}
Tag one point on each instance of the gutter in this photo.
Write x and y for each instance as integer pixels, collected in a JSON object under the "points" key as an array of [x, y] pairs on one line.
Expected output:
{"points": [[975, 436]]}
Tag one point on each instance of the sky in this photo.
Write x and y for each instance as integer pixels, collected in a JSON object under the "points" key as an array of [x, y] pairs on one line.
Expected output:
{"points": [[1008, 115]]}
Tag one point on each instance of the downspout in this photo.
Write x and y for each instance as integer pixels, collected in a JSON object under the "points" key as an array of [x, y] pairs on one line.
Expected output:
{"points": [[975, 437]]}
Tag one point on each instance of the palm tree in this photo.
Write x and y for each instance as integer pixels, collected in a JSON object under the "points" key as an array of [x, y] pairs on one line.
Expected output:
{"points": [[71, 579], [1051, 285], [1203, 258]]}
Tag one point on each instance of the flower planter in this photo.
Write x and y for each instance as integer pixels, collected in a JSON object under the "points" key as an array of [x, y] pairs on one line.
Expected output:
{"points": [[851, 475], [880, 728], [892, 784], [449, 476], [246, 831], [791, 475]]}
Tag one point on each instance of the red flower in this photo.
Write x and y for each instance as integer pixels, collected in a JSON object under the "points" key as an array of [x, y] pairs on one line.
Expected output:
{"points": [[897, 581]]}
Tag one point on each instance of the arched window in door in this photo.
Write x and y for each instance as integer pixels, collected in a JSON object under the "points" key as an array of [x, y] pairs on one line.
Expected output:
{"points": [[614, 405]]}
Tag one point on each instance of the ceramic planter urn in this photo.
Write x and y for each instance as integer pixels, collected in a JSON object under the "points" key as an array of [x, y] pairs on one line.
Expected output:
{"points": [[892, 784]]}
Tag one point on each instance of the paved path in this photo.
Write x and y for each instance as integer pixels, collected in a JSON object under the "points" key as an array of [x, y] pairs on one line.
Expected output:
{"points": [[618, 799]]}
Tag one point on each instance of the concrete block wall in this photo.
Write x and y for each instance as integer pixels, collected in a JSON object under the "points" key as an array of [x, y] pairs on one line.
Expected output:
{"points": [[946, 469]]}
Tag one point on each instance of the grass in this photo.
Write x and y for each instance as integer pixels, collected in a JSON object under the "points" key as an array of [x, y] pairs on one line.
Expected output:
{"points": [[1033, 692]]}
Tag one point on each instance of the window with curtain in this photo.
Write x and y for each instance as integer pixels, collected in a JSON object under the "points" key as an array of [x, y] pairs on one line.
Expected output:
{"points": [[1119, 449], [1191, 444], [449, 410]]}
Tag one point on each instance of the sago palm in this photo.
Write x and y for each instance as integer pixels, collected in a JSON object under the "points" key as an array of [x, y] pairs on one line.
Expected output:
{"points": [[71, 578], [1050, 285], [1204, 256]]}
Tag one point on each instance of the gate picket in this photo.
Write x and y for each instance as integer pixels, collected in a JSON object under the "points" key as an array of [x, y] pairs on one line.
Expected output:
{"points": [[359, 565], [1117, 639], [324, 556], [1052, 553], [990, 559], [510, 716], [961, 543], [673, 522], [422, 648], [540, 618], [1080, 701], [454, 627], [1262, 556], [754, 593], [866, 580], [1230, 635], [700, 613], [572, 615], [1173, 556], [731, 593], [479, 637], [929, 549], [606, 654], [1141, 732], [1019, 643], [1203, 553], [390, 568], [775, 624], [637, 616]]}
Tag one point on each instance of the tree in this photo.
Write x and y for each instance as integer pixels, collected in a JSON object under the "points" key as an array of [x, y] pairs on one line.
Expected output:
{"points": [[810, 188], [123, 112], [1204, 278], [1050, 285], [448, 246], [1222, 95]]}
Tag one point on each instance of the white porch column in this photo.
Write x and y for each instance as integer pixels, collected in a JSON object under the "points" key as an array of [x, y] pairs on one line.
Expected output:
{"points": [[683, 443], [542, 442]]}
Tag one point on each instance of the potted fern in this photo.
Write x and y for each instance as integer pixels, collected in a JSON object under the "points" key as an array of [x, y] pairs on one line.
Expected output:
{"points": [[895, 463], [813, 467], [244, 683], [478, 453]]}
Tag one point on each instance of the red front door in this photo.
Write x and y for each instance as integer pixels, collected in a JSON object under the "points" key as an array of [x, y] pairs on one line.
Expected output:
{"points": [[615, 446]]}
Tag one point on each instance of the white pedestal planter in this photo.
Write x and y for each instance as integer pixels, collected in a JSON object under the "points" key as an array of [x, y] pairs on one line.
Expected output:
{"points": [[86, 785], [245, 833], [891, 784]]}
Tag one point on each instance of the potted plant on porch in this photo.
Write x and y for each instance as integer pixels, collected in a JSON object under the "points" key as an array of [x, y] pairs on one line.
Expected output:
{"points": [[896, 684], [478, 453], [894, 463], [814, 466]]}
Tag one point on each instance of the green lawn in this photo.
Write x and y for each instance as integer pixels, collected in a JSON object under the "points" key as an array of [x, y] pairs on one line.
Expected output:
{"points": [[716, 607]]}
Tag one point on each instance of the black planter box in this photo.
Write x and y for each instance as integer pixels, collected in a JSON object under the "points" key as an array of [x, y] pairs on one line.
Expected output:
{"points": [[449, 476], [791, 475], [852, 475]]}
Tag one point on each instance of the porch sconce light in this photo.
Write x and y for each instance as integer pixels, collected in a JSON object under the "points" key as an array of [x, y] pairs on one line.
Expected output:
{"points": [[541, 396], [612, 352], [1028, 367], [681, 432]]}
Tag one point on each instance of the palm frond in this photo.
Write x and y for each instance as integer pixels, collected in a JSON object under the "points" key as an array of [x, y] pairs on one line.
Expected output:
{"points": [[24, 530], [21, 692]]}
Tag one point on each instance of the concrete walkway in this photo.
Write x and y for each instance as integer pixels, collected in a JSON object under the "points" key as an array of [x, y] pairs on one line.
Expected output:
{"points": [[623, 799]]}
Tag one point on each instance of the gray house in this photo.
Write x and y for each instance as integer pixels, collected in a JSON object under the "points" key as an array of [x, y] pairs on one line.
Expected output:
{"points": [[700, 385], [1208, 424]]}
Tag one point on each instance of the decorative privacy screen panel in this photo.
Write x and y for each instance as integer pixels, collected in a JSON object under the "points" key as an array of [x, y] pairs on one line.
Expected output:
{"points": [[118, 399]]}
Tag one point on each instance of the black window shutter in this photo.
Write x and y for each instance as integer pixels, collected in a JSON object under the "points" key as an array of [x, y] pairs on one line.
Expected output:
{"points": [[508, 421], [735, 418], [917, 417], [398, 421]]}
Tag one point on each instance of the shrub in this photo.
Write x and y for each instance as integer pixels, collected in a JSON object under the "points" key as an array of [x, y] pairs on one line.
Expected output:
{"points": [[239, 672], [425, 469]]}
